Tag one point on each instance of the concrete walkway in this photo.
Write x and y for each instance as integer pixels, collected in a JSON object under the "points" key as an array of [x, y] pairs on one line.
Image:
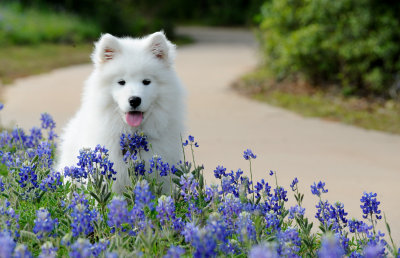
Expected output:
{"points": [[350, 160]]}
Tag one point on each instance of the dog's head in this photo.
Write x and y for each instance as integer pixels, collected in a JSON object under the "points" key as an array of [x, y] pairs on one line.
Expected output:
{"points": [[136, 71]]}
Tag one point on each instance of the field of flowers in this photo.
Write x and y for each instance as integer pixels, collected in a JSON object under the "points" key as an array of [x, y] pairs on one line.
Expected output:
{"points": [[43, 215]]}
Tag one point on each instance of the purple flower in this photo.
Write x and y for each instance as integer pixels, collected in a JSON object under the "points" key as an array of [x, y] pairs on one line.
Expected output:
{"points": [[293, 185], [132, 145], [1, 106], [189, 187], [248, 154], [370, 205], [288, 242], [262, 251], [96, 161], [7, 244], [165, 209], [174, 252], [330, 247], [21, 251], [318, 189], [48, 251], [219, 172], [82, 216], [190, 141], [44, 224], [296, 211], [118, 213], [245, 227]]}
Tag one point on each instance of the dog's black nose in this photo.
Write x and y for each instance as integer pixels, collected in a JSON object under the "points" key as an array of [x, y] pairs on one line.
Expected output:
{"points": [[135, 101]]}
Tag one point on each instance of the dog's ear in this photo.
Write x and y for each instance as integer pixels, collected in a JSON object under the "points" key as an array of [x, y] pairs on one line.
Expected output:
{"points": [[105, 49], [161, 47]]}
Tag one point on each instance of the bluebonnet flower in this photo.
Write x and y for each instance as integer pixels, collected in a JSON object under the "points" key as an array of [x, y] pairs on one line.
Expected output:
{"points": [[140, 168], [75, 173], [36, 136], [202, 240], [101, 246], [1, 106], [211, 192], [190, 231], [189, 187], [296, 211], [131, 145], [281, 194], [271, 173], [9, 220], [51, 182], [272, 221], [294, 183], [190, 141], [248, 154], [48, 251], [331, 215], [48, 123], [288, 242], [245, 227], [358, 226], [219, 172], [7, 244], [43, 151], [156, 164], [143, 198], [2, 188], [83, 248], [118, 213], [21, 251], [174, 252], [374, 250], [28, 177], [165, 209], [262, 251], [318, 189], [330, 247], [230, 208], [370, 205], [143, 195], [82, 216], [44, 224], [96, 161]]}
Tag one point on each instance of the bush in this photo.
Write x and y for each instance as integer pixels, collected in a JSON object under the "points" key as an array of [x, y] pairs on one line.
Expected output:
{"points": [[351, 43], [20, 25], [41, 214]]}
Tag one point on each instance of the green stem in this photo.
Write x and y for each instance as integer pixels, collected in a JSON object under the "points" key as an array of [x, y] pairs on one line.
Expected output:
{"points": [[252, 182]]}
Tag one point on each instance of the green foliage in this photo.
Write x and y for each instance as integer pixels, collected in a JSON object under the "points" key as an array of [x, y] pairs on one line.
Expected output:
{"points": [[351, 43], [20, 25]]}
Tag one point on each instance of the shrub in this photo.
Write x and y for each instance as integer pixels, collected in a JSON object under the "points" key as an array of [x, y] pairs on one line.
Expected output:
{"points": [[20, 25], [351, 43]]}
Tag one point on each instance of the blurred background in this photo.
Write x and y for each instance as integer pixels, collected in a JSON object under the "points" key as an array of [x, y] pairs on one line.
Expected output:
{"points": [[342, 58]]}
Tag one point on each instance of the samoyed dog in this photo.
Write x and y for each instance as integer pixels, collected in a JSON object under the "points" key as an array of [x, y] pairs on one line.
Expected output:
{"points": [[133, 87]]}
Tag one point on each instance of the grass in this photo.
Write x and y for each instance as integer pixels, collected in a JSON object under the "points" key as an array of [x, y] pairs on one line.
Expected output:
{"points": [[33, 25], [20, 61], [368, 113]]}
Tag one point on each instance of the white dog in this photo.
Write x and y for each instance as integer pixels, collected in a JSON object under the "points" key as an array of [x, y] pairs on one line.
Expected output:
{"points": [[133, 87]]}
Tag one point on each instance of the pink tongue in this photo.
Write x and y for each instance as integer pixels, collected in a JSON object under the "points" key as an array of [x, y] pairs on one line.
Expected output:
{"points": [[134, 118]]}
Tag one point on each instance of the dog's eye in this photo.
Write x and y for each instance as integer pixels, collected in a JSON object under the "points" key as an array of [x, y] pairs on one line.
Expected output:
{"points": [[146, 82], [121, 82]]}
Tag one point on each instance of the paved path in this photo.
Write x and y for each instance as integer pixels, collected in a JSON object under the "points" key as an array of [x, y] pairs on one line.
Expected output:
{"points": [[350, 160]]}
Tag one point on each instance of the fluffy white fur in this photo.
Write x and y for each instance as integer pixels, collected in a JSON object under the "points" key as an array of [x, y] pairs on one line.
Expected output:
{"points": [[102, 116]]}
